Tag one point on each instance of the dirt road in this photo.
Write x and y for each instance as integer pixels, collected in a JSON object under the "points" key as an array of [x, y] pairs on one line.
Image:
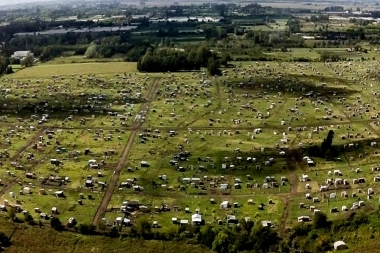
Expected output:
{"points": [[102, 208]]}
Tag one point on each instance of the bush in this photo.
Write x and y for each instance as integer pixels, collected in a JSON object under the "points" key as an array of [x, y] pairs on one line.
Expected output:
{"points": [[29, 219], [9, 70], [86, 229], [56, 224], [114, 233], [4, 240]]}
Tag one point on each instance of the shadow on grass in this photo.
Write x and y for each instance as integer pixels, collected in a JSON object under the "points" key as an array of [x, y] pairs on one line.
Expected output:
{"points": [[61, 107], [296, 85]]}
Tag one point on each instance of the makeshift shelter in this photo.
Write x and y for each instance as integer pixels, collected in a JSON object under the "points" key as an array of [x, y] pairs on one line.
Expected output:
{"points": [[196, 219], [225, 204], [340, 245]]}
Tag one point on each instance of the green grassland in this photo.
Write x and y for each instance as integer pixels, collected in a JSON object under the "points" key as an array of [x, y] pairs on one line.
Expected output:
{"points": [[48, 70], [270, 111], [49, 240]]}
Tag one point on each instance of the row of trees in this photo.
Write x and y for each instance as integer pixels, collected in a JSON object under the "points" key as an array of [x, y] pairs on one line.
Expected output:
{"points": [[274, 39], [317, 236], [168, 59], [247, 236]]}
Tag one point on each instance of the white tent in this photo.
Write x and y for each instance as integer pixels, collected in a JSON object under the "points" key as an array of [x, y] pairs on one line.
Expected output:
{"points": [[225, 204], [26, 190], [196, 218]]}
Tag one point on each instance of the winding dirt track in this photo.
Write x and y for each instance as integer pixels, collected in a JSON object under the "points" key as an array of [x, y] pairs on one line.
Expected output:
{"points": [[137, 125]]}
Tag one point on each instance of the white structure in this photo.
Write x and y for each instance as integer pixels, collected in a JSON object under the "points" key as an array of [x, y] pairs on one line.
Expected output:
{"points": [[196, 219], [266, 223], [21, 54], [340, 245], [303, 218], [225, 204]]}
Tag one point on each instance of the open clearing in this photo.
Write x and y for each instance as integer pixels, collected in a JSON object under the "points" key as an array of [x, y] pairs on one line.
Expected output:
{"points": [[102, 143], [48, 70]]}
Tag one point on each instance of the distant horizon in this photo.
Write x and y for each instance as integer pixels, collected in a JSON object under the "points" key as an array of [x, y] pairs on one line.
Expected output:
{"points": [[16, 2]]}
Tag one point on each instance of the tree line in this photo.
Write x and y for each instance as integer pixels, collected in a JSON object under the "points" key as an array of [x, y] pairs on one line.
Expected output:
{"points": [[191, 58]]}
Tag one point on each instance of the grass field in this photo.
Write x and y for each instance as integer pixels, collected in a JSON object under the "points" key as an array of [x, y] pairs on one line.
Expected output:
{"points": [[48, 70], [50, 240], [80, 59], [231, 138]]}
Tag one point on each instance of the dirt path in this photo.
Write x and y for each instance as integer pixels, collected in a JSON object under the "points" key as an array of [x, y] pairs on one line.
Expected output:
{"points": [[219, 92], [293, 191], [184, 126], [102, 208], [8, 186], [17, 155], [35, 138]]}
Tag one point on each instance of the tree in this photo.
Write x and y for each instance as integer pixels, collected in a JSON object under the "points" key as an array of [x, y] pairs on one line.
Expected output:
{"points": [[92, 51], [27, 61], [29, 219], [263, 238], [9, 70], [55, 223], [11, 213], [114, 233], [143, 228], [320, 221], [206, 236], [3, 64], [4, 240], [224, 242], [202, 55], [86, 229], [212, 67], [102, 226], [246, 225], [225, 58]]}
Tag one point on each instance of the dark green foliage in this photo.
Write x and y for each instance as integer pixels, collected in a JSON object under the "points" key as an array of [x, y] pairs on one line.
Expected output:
{"points": [[29, 219], [9, 70], [168, 59], [56, 224], [212, 67], [294, 25], [3, 65], [27, 61], [206, 236], [320, 221], [4, 240], [86, 229], [114, 233], [216, 32], [15, 61], [224, 59], [224, 242], [142, 228], [12, 213], [325, 56]]}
